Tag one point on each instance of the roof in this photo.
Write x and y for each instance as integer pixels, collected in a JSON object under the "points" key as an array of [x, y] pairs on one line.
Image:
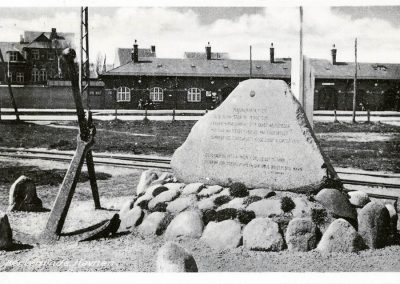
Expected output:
{"points": [[202, 55], [29, 36], [324, 69], [202, 68], [123, 55], [10, 46]]}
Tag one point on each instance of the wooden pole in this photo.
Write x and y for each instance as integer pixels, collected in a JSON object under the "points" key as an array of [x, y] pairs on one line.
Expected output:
{"points": [[251, 64], [10, 90], [355, 82]]}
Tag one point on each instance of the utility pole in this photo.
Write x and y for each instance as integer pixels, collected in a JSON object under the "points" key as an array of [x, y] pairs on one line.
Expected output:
{"points": [[355, 82], [251, 64], [10, 90]]}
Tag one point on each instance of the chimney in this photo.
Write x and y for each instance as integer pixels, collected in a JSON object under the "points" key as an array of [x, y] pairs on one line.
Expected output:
{"points": [[208, 51], [272, 53], [21, 39], [334, 51], [153, 49], [53, 33], [135, 52]]}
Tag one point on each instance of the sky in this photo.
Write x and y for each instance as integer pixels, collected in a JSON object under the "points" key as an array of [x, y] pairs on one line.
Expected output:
{"points": [[228, 29]]}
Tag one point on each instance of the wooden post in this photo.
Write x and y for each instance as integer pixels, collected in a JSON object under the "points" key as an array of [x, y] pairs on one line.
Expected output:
{"points": [[173, 115], [251, 64], [368, 116], [10, 91], [355, 82], [334, 114]]}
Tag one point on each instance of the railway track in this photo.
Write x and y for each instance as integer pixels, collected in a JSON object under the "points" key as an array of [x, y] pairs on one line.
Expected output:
{"points": [[380, 180]]}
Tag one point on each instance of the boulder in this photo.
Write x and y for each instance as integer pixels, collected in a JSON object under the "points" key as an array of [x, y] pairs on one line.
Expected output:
{"points": [[23, 196], [336, 203], [266, 208], [6, 241], [210, 190], [262, 234], [192, 188], [131, 219], [146, 197], [374, 224], [182, 203], [164, 178], [340, 237], [152, 223], [393, 217], [222, 235], [165, 196], [359, 198], [174, 258], [207, 203], [302, 208], [236, 203], [145, 180], [301, 235], [128, 205], [155, 189], [262, 192], [186, 224]]}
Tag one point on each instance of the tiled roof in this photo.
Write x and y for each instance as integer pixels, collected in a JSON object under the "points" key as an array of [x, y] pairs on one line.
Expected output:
{"points": [[324, 69], [202, 55], [123, 55], [203, 68], [29, 36]]}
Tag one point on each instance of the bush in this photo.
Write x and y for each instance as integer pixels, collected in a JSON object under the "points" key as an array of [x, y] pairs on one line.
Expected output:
{"points": [[318, 216], [287, 204], [164, 224], [245, 216], [222, 200], [160, 207], [238, 189], [226, 214], [251, 199], [158, 190], [209, 216], [144, 204]]}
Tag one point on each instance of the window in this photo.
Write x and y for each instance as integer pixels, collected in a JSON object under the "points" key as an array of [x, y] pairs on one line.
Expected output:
{"points": [[13, 56], [156, 94], [123, 94], [20, 77], [194, 95], [35, 75], [50, 55], [35, 54], [43, 75]]}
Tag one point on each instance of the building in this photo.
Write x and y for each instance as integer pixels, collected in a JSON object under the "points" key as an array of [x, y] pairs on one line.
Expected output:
{"points": [[193, 82], [378, 85]]}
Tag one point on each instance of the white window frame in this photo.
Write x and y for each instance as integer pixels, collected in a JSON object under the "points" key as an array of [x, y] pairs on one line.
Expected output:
{"points": [[123, 94], [20, 77], [42, 75], [35, 54], [194, 95], [13, 56], [157, 94], [35, 75]]}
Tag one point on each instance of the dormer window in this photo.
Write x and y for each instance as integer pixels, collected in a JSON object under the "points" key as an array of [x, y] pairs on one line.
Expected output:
{"points": [[13, 56], [225, 66], [159, 65], [380, 67], [258, 67], [193, 66]]}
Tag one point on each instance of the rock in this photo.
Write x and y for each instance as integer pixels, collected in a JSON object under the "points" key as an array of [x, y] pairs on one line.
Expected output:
{"points": [[145, 180], [270, 142], [393, 217], [340, 237], [207, 203], [261, 192], [210, 190], [262, 234], [155, 189], [374, 224], [301, 235], [6, 241], [358, 198], [128, 205], [192, 188], [302, 208], [236, 203], [165, 177], [185, 224], [182, 203], [266, 208], [165, 196], [222, 235], [146, 197], [336, 203], [23, 196], [152, 223], [131, 219], [175, 186], [174, 258]]}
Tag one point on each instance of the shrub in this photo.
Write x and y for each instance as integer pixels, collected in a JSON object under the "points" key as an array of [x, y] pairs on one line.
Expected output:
{"points": [[144, 204], [158, 190], [222, 200], [245, 216], [209, 216], [238, 189], [318, 215], [164, 224], [251, 199], [287, 204], [226, 214], [160, 207]]}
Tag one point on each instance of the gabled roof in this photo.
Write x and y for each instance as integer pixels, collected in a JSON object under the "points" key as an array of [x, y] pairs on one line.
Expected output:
{"points": [[203, 68], [202, 55], [30, 36], [10, 46], [324, 69], [42, 41], [123, 55]]}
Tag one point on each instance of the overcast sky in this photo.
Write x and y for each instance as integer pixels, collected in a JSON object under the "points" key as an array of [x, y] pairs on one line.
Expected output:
{"points": [[175, 30]]}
